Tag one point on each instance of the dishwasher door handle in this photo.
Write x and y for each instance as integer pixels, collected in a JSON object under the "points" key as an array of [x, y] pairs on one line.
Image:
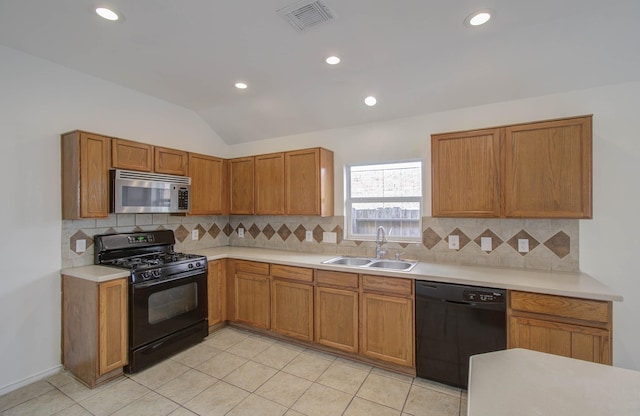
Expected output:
{"points": [[461, 303]]}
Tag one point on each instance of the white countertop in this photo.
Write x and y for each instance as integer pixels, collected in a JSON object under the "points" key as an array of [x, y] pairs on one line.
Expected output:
{"points": [[554, 283], [530, 383]]}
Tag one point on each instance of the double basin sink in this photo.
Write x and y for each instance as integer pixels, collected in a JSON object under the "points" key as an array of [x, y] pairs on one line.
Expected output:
{"points": [[372, 263]]}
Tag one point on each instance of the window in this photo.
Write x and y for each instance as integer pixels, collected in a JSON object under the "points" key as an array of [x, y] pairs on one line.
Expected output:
{"points": [[388, 195]]}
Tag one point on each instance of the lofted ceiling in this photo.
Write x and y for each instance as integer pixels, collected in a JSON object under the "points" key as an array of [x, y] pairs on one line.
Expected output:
{"points": [[415, 56]]}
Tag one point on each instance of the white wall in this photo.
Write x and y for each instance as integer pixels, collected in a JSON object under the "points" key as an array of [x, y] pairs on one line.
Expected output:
{"points": [[606, 242], [38, 101]]}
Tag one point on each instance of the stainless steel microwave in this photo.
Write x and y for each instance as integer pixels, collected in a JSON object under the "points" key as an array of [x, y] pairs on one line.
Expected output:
{"points": [[144, 192]]}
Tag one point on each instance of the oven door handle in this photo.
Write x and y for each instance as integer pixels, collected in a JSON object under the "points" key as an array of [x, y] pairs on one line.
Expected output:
{"points": [[182, 276]]}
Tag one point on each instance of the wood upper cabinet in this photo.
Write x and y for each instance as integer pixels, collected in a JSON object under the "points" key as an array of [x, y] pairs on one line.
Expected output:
{"points": [[252, 295], [387, 320], [208, 185], [533, 170], [94, 328], [217, 291], [130, 155], [241, 180], [269, 184], [292, 301], [466, 174], [336, 310], [171, 161], [548, 169], [309, 182], [571, 327], [86, 158]]}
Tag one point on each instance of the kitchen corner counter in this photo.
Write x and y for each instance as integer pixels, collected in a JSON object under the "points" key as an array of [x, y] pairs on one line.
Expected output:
{"points": [[572, 284], [95, 273], [524, 382]]}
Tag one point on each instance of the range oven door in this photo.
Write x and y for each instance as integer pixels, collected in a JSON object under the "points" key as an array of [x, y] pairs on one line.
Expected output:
{"points": [[160, 308]]}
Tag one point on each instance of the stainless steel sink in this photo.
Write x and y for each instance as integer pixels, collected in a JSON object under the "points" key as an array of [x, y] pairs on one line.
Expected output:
{"points": [[373, 263]]}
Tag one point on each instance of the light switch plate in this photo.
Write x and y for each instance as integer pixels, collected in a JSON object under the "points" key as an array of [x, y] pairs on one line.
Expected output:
{"points": [[308, 236], [195, 234], [81, 246], [486, 244], [454, 242], [523, 245], [240, 232], [328, 237]]}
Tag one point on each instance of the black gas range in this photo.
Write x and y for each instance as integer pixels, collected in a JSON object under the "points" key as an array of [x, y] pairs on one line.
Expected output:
{"points": [[167, 293]]}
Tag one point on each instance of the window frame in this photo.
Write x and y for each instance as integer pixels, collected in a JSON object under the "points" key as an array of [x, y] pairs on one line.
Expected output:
{"points": [[349, 201]]}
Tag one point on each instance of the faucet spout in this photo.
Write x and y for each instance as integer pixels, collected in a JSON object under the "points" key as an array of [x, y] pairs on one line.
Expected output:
{"points": [[381, 238]]}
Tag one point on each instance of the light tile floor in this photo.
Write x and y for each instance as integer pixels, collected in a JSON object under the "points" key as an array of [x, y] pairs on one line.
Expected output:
{"points": [[237, 373]]}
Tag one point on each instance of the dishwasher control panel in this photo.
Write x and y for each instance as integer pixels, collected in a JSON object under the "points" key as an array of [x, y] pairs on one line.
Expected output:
{"points": [[482, 296]]}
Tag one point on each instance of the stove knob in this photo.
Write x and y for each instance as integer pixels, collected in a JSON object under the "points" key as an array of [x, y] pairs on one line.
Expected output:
{"points": [[198, 264], [191, 265], [156, 273]]}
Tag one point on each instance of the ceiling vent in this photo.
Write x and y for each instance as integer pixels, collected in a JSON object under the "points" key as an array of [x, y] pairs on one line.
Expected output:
{"points": [[307, 13]]}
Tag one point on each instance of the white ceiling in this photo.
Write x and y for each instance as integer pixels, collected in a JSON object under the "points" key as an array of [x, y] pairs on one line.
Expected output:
{"points": [[416, 56]]}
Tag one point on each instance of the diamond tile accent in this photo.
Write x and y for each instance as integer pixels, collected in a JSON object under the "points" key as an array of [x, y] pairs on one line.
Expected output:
{"points": [[495, 240], [317, 234], [79, 235], [214, 231], [339, 234], [254, 231], [430, 238], [160, 228], [181, 233], [513, 241], [111, 230], [559, 244], [358, 242], [137, 229], [300, 233], [201, 231], [268, 231], [404, 245], [462, 238], [228, 229], [284, 232]]}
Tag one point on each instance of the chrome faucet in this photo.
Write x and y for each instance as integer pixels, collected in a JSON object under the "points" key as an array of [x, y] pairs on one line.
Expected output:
{"points": [[380, 240]]}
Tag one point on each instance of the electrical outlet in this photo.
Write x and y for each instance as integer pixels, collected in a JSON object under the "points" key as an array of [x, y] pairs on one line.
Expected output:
{"points": [[523, 245], [328, 237], [240, 232], [195, 234], [308, 236], [454, 242], [486, 244], [81, 246]]}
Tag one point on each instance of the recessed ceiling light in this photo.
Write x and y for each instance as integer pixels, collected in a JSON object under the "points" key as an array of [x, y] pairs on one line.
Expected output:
{"points": [[370, 101], [241, 85], [332, 60], [107, 13], [477, 18]]}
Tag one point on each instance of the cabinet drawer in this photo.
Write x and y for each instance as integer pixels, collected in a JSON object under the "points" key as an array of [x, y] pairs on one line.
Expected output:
{"points": [[293, 273], [253, 267], [584, 309], [338, 279], [402, 287]]}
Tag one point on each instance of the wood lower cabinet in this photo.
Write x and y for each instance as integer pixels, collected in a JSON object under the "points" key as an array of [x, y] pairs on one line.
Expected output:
{"points": [[252, 293], [130, 155], [336, 310], [571, 327], [241, 184], [387, 320], [86, 158], [292, 301], [94, 328], [217, 292], [309, 182], [171, 161], [209, 191]]}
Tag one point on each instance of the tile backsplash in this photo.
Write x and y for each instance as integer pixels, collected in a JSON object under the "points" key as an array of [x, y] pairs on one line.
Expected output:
{"points": [[553, 244]]}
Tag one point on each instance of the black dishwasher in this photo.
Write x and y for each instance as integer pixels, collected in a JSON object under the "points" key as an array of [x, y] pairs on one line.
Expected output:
{"points": [[454, 322]]}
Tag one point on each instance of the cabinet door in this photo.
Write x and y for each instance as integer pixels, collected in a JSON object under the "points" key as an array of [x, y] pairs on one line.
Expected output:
{"points": [[252, 300], [309, 182], [208, 185], [241, 175], [548, 169], [269, 180], [126, 154], [113, 323], [575, 341], [387, 328], [336, 318], [466, 174], [217, 292], [171, 161], [292, 309]]}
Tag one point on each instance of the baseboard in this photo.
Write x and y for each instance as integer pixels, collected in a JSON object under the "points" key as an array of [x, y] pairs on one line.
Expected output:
{"points": [[36, 377]]}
